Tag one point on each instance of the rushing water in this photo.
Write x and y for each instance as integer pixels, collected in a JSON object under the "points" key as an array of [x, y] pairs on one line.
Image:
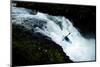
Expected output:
{"points": [[60, 30]]}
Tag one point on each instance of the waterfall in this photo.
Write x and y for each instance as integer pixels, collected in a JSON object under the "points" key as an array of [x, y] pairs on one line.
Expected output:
{"points": [[59, 29]]}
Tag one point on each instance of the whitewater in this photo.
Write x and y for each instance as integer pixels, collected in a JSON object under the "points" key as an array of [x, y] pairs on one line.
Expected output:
{"points": [[59, 29]]}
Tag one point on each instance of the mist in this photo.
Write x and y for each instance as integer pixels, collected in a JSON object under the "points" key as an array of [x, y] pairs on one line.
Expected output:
{"points": [[60, 30]]}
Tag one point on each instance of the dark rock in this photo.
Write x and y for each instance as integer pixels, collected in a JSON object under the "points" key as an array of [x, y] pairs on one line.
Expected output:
{"points": [[30, 48], [83, 17]]}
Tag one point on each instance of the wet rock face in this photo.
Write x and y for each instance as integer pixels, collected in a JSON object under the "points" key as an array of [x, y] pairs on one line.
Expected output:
{"points": [[34, 48]]}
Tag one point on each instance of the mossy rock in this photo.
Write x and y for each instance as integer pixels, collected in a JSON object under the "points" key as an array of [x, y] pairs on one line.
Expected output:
{"points": [[34, 48]]}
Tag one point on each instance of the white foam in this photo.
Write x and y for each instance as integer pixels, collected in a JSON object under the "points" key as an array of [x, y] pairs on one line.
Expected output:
{"points": [[80, 48]]}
